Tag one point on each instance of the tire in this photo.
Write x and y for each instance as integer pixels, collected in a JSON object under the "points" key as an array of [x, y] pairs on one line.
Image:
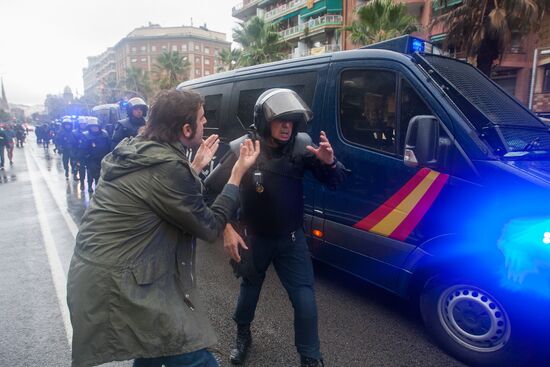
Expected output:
{"points": [[472, 324]]}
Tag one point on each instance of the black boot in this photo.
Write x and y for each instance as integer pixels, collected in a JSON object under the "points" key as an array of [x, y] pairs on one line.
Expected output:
{"points": [[244, 339], [310, 362]]}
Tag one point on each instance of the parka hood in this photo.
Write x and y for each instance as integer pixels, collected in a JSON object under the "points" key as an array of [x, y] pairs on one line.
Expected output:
{"points": [[134, 154]]}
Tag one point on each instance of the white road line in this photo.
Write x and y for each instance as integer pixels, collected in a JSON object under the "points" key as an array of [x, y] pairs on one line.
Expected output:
{"points": [[73, 227], [58, 275]]}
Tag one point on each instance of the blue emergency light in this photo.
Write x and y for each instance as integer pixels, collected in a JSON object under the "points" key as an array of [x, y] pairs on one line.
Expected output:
{"points": [[405, 44]]}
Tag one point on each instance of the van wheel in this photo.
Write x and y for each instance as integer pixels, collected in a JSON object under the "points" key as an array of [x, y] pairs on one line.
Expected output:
{"points": [[471, 324]]}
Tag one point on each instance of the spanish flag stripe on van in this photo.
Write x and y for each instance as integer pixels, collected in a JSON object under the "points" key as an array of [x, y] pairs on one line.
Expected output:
{"points": [[376, 216], [401, 213], [409, 224]]}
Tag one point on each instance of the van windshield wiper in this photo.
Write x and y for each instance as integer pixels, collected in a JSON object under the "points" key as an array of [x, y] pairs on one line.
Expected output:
{"points": [[532, 144]]}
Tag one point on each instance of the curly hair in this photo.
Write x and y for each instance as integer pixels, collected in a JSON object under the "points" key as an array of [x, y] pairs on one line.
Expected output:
{"points": [[171, 110]]}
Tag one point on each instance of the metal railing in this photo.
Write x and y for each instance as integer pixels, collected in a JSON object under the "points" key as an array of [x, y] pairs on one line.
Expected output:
{"points": [[241, 5], [311, 24], [285, 8]]}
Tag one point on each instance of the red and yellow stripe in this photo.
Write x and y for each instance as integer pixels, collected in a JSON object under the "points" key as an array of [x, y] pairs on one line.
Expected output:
{"points": [[401, 213]]}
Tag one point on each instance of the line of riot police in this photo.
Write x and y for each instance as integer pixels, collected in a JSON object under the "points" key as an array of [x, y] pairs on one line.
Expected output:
{"points": [[84, 146]]}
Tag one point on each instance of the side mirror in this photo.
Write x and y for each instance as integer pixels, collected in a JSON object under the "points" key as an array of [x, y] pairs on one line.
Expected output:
{"points": [[422, 141]]}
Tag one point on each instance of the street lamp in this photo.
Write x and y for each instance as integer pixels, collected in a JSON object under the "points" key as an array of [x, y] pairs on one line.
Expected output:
{"points": [[534, 73]]}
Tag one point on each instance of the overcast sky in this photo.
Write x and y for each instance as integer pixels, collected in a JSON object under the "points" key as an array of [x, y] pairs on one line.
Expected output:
{"points": [[44, 43]]}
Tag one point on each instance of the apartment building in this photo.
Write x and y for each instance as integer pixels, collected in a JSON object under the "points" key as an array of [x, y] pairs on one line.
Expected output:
{"points": [[512, 72], [308, 26], [141, 47], [100, 69], [539, 94]]}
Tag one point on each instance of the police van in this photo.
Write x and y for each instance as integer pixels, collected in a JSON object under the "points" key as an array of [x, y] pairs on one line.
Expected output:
{"points": [[108, 115], [448, 198]]}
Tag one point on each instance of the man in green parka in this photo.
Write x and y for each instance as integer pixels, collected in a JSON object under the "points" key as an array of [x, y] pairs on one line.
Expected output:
{"points": [[131, 286]]}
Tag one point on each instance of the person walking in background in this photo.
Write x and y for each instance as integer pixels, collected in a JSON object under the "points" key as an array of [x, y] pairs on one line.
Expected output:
{"points": [[65, 142], [95, 145], [79, 168], [10, 142], [3, 139], [20, 135]]}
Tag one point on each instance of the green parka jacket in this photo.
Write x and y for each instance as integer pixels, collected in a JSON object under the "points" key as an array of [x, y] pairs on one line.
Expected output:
{"points": [[131, 286]]}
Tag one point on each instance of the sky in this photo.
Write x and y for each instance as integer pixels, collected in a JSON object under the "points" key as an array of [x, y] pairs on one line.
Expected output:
{"points": [[44, 44]]}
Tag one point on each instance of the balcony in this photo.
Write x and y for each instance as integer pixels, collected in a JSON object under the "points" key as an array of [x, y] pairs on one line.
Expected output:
{"points": [[312, 26], [245, 9], [285, 9]]}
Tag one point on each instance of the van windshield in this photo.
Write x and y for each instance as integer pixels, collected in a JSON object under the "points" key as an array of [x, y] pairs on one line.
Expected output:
{"points": [[508, 126]]}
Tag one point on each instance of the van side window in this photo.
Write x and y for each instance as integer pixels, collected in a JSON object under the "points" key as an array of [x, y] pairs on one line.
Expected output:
{"points": [[212, 106], [411, 105], [248, 98], [368, 108]]}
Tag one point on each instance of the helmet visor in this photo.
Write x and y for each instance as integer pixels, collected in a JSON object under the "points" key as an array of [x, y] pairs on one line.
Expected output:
{"points": [[286, 105]]}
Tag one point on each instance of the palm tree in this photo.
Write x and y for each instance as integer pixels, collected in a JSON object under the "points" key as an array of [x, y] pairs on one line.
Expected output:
{"points": [[229, 59], [380, 20], [170, 69], [260, 42], [483, 28], [137, 81]]}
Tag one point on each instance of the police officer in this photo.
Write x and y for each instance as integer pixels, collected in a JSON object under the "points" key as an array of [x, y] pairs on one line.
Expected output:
{"points": [[65, 142], [79, 169], [96, 145], [272, 216], [20, 135], [129, 127]]}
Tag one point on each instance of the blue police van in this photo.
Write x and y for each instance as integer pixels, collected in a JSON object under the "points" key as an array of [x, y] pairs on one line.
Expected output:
{"points": [[448, 198]]}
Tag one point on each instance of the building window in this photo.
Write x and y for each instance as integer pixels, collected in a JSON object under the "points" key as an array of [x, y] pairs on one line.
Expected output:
{"points": [[143, 59], [197, 60], [546, 84], [134, 49], [207, 72], [206, 61], [153, 48], [207, 50], [216, 51], [197, 47], [133, 60], [184, 47], [164, 47], [143, 48], [197, 72], [174, 48]]}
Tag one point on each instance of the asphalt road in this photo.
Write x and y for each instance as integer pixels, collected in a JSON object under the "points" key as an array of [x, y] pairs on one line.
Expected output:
{"points": [[360, 325]]}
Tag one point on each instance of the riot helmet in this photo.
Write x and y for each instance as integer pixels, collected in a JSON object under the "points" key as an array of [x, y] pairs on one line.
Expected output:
{"points": [[280, 103], [67, 122], [136, 102], [93, 124], [82, 122]]}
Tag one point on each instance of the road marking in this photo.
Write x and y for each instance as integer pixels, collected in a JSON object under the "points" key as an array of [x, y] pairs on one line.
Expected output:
{"points": [[73, 227], [58, 275]]}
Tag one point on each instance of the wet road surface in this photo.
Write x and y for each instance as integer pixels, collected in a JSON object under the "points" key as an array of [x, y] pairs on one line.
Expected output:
{"points": [[359, 325]]}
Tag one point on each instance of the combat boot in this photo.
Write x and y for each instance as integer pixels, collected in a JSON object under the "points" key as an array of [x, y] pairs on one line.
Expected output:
{"points": [[244, 339], [310, 362]]}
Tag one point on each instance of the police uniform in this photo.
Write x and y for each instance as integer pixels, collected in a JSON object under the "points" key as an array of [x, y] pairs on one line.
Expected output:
{"points": [[272, 217], [95, 146], [65, 142], [129, 127]]}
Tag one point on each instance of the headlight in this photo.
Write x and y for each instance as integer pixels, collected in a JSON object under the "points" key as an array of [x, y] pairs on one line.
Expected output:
{"points": [[525, 256]]}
